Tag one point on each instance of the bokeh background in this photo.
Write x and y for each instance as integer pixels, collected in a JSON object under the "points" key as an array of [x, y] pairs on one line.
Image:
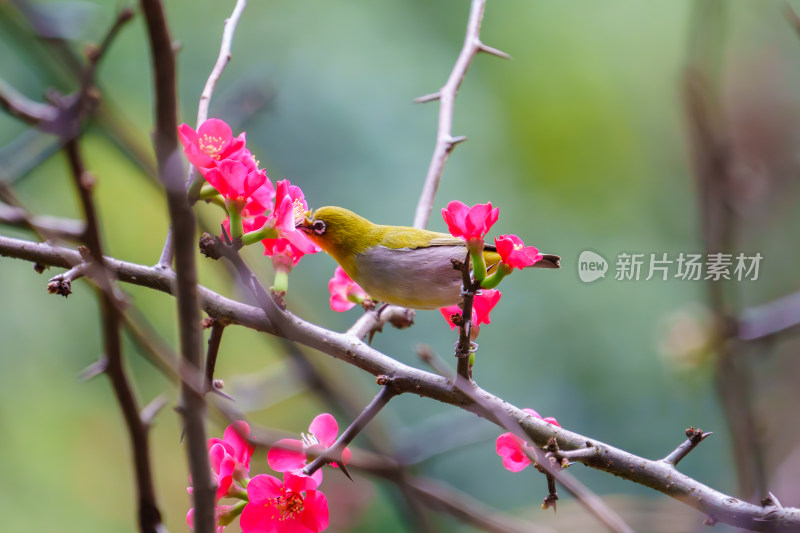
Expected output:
{"points": [[582, 140]]}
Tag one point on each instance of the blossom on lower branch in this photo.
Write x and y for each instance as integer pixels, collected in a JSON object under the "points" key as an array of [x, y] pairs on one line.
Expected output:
{"points": [[345, 293], [291, 506], [266, 504], [290, 454], [514, 450]]}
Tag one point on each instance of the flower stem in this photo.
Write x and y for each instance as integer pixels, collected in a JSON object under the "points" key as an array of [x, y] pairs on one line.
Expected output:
{"points": [[281, 283], [496, 277], [235, 215], [476, 256], [267, 231]]}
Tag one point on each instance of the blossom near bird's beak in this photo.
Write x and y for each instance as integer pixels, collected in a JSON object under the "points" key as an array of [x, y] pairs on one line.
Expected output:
{"points": [[305, 223]]}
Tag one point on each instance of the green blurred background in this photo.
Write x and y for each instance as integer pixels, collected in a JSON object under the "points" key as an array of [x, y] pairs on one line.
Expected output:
{"points": [[580, 139]]}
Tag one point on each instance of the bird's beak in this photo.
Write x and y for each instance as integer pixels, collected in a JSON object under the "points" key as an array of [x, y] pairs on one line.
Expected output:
{"points": [[305, 223]]}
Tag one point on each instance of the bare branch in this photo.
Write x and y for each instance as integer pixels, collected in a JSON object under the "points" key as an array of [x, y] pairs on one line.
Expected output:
{"points": [[773, 318], [149, 515], [46, 227], [374, 320], [447, 96], [183, 224], [214, 340], [695, 437], [334, 453]]}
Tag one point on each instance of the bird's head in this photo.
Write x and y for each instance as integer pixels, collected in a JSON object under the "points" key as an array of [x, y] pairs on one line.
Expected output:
{"points": [[338, 231]]}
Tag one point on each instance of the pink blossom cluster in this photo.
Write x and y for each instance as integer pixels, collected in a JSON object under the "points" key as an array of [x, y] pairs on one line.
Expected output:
{"points": [[254, 206], [267, 504], [472, 224]]}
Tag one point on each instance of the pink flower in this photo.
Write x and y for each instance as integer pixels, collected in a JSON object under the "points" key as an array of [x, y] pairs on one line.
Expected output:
{"points": [[230, 456], [345, 293], [284, 253], [260, 201], [291, 506], [290, 210], [482, 305], [212, 142], [230, 462], [290, 454], [514, 253], [234, 181], [513, 449], [470, 223]]}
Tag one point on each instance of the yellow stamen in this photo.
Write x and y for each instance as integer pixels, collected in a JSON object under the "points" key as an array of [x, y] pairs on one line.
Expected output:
{"points": [[211, 146], [299, 211], [289, 505]]}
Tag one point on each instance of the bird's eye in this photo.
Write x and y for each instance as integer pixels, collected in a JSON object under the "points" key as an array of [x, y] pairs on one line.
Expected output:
{"points": [[319, 227]]}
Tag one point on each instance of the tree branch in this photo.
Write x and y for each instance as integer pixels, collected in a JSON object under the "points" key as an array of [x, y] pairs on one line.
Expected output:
{"points": [[445, 142], [170, 172], [149, 515]]}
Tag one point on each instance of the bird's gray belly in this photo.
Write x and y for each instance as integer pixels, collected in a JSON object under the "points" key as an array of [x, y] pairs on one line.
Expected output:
{"points": [[421, 278]]}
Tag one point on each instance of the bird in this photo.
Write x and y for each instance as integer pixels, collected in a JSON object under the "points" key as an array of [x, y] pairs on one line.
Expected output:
{"points": [[399, 265]]}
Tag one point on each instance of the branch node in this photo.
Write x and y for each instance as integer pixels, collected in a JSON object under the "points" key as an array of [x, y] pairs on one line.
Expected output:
{"points": [[61, 286]]}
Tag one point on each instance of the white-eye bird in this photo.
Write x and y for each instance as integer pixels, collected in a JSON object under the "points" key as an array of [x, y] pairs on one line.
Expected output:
{"points": [[400, 265]]}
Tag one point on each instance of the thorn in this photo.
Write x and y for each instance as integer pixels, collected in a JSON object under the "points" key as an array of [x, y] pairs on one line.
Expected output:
{"points": [[770, 501], [428, 98], [344, 470], [152, 409], [492, 51], [452, 141], [225, 395], [93, 370], [226, 236]]}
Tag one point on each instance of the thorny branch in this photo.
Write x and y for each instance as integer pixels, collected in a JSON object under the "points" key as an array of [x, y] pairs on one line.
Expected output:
{"points": [[445, 142], [655, 474], [334, 453], [149, 515], [183, 224]]}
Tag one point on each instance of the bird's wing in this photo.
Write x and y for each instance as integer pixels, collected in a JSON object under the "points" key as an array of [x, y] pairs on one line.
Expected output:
{"points": [[490, 252], [400, 239]]}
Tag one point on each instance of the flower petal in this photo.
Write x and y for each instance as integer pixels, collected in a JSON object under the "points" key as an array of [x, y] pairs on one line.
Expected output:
{"points": [[236, 435], [325, 428], [263, 487], [315, 511], [259, 518], [287, 454]]}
